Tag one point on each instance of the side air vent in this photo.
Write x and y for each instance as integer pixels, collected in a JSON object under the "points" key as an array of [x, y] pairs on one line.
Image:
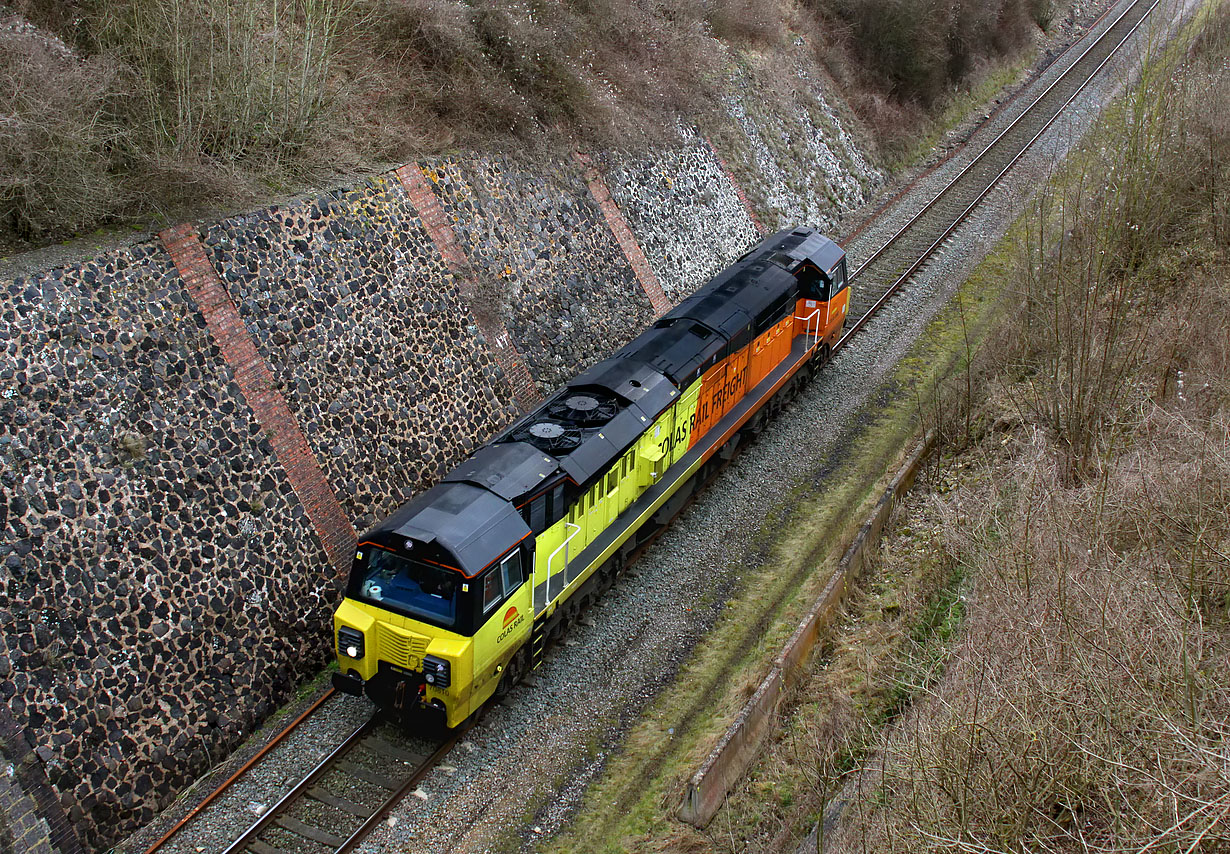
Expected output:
{"points": [[584, 409], [550, 437]]}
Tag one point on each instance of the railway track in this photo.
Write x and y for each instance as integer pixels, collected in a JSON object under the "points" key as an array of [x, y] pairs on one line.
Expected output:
{"points": [[347, 794], [353, 788], [889, 267]]}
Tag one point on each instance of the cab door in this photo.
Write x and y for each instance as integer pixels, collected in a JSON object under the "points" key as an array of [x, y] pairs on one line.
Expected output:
{"points": [[507, 615]]}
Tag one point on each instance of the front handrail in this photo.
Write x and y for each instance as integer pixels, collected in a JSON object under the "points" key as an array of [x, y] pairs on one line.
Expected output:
{"points": [[564, 546], [807, 320]]}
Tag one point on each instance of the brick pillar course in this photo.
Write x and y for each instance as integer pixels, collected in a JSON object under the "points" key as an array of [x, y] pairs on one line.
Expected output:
{"points": [[623, 235], [255, 380], [31, 808], [747, 204], [440, 230]]}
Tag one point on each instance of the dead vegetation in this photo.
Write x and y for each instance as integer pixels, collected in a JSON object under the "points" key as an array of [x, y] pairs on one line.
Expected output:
{"points": [[126, 111], [1083, 705], [900, 59]]}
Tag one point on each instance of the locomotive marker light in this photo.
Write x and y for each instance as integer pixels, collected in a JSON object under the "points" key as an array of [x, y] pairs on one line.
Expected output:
{"points": [[436, 671], [350, 642]]}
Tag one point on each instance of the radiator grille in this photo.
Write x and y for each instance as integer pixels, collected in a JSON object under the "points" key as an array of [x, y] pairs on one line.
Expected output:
{"points": [[403, 648]]}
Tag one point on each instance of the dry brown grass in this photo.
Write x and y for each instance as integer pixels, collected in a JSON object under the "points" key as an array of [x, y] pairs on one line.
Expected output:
{"points": [[901, 59], [159, 107], [60, 144], [156, 105], [1085, 707]]}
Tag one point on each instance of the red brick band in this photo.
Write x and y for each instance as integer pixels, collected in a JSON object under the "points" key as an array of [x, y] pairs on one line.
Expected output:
{"points": [[623, 235], [747, 205], [255, 380], [440, 230]]}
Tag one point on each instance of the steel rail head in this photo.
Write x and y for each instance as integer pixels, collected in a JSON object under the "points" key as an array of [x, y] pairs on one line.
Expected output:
{"points": [[430, 762], [1012, 126], [270, 815], [260, 754]]}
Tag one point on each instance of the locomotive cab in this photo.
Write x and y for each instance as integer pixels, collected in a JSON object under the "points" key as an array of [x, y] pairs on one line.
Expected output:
{"points": [[436, 602]]}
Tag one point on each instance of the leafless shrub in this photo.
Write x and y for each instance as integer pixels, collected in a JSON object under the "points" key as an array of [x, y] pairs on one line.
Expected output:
{"points": [[228, 80], [605, 69], [1085, 707], [920, 48], [903, 58], [59, 141], [1097, 273]]}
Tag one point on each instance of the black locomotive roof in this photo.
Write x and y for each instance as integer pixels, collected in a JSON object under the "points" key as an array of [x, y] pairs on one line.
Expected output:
{"points": [[603, 446], [509, 469], [476, 526], [471, 513], [735, 298], [632, 379], [792, 247], [678, 349]]}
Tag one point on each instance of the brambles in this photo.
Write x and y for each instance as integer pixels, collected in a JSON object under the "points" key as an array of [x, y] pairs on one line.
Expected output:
{"points": [[60, 142]]}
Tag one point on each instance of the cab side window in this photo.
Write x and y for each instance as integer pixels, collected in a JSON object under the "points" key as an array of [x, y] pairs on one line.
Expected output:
{"points": [[493, 589], [545, 510], [839, 276], [812, 285], [511, 571]]}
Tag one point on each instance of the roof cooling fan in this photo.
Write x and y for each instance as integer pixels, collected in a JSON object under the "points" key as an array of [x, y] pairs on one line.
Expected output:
{"points": [[584, 409], [550, 437]]}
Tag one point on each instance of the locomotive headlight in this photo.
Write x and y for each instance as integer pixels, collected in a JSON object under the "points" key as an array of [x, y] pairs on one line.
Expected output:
{"points": [[350, 642], [436, 671]]}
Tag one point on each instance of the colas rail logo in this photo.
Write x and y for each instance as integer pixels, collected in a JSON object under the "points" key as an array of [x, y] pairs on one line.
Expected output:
{"points": [[512, 619]]}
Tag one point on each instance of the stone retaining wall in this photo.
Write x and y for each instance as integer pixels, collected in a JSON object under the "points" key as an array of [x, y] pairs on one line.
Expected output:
{"points": [[545, 261], [151, 613], [684, 210], [368, 340], [163, 586]]}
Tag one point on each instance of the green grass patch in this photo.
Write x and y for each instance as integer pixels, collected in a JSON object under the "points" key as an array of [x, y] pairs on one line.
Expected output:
{"points": [[959, 107]]}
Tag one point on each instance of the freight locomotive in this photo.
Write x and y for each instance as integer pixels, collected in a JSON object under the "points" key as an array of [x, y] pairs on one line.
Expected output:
{"points": [[454, 597]]}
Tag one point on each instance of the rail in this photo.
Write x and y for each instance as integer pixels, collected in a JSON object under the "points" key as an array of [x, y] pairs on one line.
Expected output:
{"points": [[259, 755], [400, 770]]}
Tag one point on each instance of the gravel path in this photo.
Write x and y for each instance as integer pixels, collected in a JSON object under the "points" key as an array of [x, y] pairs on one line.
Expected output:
{"points": [[536, 755]]}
